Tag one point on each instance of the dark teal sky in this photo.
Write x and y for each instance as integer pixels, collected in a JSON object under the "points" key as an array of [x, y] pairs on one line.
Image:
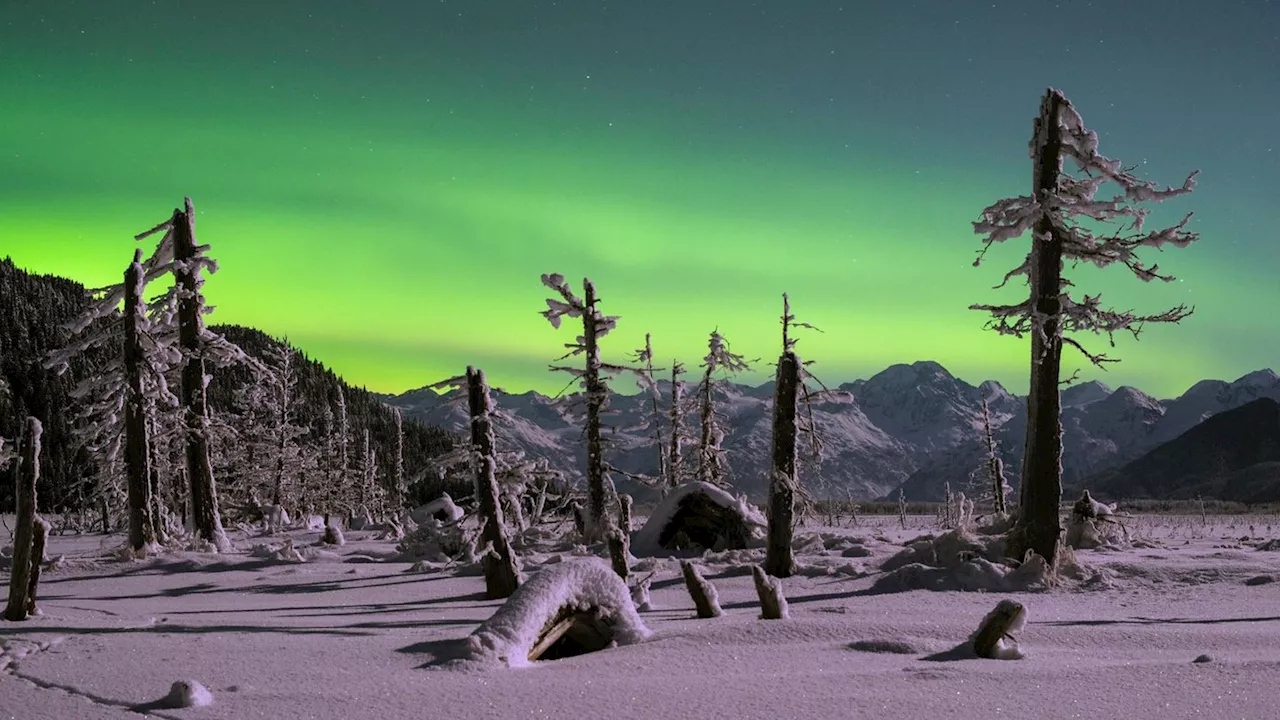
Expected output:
{"points": [[384, 182]]}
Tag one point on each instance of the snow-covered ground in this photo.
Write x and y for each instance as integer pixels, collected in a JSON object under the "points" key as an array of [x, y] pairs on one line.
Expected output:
{"points": [[348, 634]]}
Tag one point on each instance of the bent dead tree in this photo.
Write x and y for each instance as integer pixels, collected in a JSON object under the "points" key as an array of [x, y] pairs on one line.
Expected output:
{"points": [[1068, 222]]}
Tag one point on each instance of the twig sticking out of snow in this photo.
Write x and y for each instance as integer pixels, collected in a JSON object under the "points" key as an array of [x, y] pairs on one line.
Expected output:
{"points": [[994, 639], [705, 598], [773, 604]]}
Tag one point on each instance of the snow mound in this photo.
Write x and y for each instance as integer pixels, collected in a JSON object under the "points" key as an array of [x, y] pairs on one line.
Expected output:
{"points": [[949, 550], [442, 510], [579, 585], [700, 515], [188, 693]]}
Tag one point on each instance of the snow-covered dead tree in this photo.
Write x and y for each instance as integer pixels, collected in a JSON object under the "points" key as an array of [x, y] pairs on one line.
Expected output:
{"points": [[341, 483], [713, 467], [137, 451], [399, 490], [675, 456], [368, 476], [501, 575], [595, 325], [21, 604], [1068, 223], [998, 485], [189, 261], [284, 381]]}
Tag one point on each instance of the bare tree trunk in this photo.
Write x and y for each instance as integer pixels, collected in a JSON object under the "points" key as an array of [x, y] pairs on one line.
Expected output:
{"points": [[706, 601], [596, 524], [26, 475], [282, 420], [708, 467], [995, 468], [1038, 527], [39, 536], [398, 491], [204, 495], [778, 559], [620, 539], [157, 498], [773, 604], [137, 448], [501, 576]]}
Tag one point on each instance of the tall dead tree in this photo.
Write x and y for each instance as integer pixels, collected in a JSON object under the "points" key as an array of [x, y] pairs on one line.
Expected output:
{"points": [[713, 467], [779, 560], [137, 450], [1068, 224], [595, 325], [398, 488], [25, 563], [675, 456], [189, 261], [501, 576]]}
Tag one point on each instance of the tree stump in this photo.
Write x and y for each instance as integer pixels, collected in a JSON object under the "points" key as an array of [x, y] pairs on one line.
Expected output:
{"points": [[705, 598], [773, 604]]}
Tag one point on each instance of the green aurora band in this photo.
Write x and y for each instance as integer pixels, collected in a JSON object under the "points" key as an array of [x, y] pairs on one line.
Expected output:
{"points": [[396, 230]]}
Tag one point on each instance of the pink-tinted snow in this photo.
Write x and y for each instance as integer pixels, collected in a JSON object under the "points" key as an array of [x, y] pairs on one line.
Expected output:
{"points": [[347, 634]]}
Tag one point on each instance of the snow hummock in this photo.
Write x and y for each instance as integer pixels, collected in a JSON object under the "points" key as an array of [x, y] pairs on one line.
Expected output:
{"points": [[645, 540], [441, 510], [188, 693], [578, 584]]}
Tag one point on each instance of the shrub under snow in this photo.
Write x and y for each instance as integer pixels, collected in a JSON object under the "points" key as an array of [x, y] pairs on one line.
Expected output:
{"points": [[736, 516], [578, 585]]}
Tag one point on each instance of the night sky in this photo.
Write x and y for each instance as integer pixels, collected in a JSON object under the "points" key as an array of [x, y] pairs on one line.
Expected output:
{"points": [[384, 182]]}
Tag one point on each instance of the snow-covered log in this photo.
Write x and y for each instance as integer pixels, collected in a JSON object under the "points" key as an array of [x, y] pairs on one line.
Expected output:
{"points": [[994, 638], [582, 599]]}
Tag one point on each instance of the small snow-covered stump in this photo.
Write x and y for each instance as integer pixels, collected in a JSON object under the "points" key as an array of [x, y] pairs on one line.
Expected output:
{"points": [[332, 535], [1093, 524], [773, 604], [706, 601], [567, 609], [619, 552], [277, 519], [994, 639], [640, 594], [700, 515]]}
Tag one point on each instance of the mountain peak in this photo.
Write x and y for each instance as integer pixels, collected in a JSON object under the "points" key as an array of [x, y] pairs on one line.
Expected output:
{"points": [[1265, 377], [1084, 393]]}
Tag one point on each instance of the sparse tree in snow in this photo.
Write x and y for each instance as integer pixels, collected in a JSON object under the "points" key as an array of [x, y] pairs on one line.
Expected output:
{"points": [[997, 484], [399, 490], [713, 467], [645, 371], [1069, 223], [592, 376], [288, 455], [675, 456]]}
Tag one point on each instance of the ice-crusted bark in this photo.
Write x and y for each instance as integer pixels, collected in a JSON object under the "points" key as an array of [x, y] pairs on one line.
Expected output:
{"points": [[592, 375], [501, 575], [1064, 214], [189, 262]]}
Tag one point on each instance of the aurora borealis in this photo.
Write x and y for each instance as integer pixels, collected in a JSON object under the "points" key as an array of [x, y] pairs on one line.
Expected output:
{"points": [[383, 183]]}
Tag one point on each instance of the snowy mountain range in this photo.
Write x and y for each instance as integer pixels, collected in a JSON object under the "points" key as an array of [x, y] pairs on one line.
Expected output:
{"points": [[914, 427]]}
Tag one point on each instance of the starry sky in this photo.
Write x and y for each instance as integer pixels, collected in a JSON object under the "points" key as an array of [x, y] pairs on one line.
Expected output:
{"points": [[383, 183]]}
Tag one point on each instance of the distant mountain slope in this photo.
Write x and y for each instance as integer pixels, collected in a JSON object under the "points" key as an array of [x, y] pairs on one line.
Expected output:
{"points": [[1233, 455]]}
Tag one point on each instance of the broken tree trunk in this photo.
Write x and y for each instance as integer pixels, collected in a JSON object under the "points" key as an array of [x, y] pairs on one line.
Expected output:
{"points": [[675, 461], [1038, 527], [773, 604], [624, 513], [779, 560], [204, 497], [501, 576], [39, 536], [705, 598], [137, 448], [26, 475]]}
